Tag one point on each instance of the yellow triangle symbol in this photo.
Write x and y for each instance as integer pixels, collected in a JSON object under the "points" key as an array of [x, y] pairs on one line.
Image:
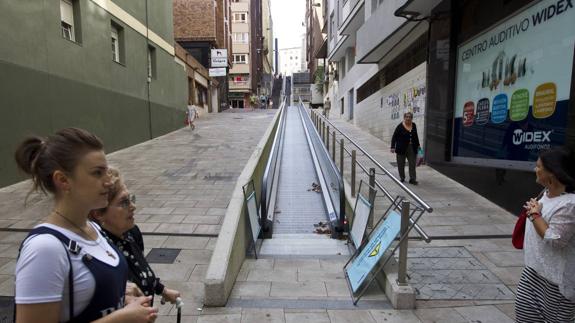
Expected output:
{"points": [[375, 250]]}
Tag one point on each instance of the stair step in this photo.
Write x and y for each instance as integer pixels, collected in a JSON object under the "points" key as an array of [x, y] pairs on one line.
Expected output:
{"points": [[307, 246], [300, 236]]}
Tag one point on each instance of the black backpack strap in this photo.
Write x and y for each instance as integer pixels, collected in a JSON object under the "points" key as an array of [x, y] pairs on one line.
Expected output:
{"points": [[71, 246]]}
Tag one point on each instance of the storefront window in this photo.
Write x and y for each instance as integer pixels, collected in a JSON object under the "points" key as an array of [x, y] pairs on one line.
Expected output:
{"points": [[513, 86]]}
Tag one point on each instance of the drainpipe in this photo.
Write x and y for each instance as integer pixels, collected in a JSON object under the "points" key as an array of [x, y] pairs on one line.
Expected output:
{"points": [[148, 80]]}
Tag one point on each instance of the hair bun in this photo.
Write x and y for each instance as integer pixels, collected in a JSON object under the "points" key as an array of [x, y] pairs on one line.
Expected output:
{"points": [[28, 152]]}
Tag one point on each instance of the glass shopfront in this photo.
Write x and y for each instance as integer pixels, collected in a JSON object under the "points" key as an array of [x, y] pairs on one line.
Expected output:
{"points": [[513, 86]]}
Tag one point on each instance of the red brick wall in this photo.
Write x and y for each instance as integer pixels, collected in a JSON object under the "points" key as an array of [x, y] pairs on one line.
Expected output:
{"points": [[220, 24], [194, 20]]}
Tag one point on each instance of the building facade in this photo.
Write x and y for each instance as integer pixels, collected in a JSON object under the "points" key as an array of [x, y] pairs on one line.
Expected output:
{"points": [[290, 60], [241, 84], [268, 48], [110, 69], [501, 89], [199, 27], [203, 90], [316, 50], [473, 75], [257, 48]]}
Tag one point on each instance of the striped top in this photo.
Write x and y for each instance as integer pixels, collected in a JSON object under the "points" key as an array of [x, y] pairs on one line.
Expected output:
{"points": [[553, 256]]}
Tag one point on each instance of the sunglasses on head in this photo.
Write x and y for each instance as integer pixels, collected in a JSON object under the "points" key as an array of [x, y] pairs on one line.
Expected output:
{"points": [[127, 201]]}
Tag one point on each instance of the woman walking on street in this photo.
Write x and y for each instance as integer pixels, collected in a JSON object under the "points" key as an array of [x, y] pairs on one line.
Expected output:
{"points": [[546, 290], [117, 223], [66, 270], [405, 143]]}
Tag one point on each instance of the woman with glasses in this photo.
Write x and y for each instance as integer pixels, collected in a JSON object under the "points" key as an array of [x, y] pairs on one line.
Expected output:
{"points": [[117, 223], [66, 270], [405, 143]]}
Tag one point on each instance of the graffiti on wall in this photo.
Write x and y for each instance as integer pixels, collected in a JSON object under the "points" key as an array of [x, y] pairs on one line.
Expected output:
{"points": [[393, 103], [411, 100]]}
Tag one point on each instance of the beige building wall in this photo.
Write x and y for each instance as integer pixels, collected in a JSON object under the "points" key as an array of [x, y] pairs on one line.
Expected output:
{"points": [[267, 25], [240, 71]]}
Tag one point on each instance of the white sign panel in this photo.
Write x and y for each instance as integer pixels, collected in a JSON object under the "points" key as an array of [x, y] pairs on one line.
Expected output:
{"points": [[219, 58], [253, 215], [218, 71], [362, 210]]}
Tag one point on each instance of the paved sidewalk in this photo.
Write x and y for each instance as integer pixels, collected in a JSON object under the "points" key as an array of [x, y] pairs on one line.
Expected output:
{"points": [[458, 280], [454, 270], [184, 180]]}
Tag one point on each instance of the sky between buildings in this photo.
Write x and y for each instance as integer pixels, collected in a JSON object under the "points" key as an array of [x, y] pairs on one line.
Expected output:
{"points": [[288, 16]]}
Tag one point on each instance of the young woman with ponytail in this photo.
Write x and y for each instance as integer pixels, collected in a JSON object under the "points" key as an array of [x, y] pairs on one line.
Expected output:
{"points": [[66, 270]]}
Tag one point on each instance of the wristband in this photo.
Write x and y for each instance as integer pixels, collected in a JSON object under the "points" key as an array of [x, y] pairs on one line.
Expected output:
{"points": [[534, 215]]}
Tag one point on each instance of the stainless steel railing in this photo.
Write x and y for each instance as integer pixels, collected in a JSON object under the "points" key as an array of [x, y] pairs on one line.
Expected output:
{"points": [[368, 164], [269, 176]]}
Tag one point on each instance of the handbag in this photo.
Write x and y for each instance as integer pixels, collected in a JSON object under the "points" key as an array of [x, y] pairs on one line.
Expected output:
{"points": [[419, 159], [519, 231], [518, 235]]}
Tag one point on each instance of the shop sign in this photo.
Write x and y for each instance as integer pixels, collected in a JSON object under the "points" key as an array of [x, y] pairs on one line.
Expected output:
{"points": [[513, 87], [219, 58], [218, 71]]}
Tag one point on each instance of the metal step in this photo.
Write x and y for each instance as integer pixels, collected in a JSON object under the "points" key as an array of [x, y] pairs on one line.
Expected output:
{"points": [[303, 245]]}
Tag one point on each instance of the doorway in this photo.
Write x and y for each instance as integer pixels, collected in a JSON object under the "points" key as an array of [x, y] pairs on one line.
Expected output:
{"points": [[350, 97], [237, 104]]}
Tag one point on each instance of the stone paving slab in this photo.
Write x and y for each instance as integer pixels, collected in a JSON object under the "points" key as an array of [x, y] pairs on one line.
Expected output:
{"points": [[471, 214], [154, 172], [183, 182]]}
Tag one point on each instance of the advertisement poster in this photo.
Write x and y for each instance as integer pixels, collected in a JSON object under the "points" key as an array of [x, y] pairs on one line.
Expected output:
{"points": [[379, 241], [513, 86]]}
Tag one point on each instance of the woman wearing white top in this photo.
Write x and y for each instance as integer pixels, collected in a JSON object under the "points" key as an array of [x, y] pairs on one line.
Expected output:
{"points": [[546, 290], [66, 270]]}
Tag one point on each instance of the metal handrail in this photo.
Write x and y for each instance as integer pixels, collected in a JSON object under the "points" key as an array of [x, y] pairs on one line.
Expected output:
{"points": [[331, 170], [270, 170], [422, 204], [409, 192]]}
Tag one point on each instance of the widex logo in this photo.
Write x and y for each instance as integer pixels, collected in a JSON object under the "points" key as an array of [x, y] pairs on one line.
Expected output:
{"points": [[520, 136]]}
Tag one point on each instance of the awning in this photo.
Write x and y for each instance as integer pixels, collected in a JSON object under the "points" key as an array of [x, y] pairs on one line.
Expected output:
{"points": [[321, 52], [354, 20], [395, 43], [236, 95], [399, 30], [201, 79]]}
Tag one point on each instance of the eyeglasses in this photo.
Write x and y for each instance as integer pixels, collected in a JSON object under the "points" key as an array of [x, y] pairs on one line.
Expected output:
{"points": [[126, 202]]}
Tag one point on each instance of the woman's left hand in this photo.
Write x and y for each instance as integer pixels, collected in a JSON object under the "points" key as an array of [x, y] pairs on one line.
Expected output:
{"points": [[533, 206], [170, 295]]}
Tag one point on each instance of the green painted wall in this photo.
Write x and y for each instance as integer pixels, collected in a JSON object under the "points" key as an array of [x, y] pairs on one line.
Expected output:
{"points": [[160, 17], [136, 8], [48, 82]]}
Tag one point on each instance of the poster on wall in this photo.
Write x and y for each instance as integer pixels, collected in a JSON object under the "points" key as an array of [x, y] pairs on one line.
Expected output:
{"points": [[513, 88]]}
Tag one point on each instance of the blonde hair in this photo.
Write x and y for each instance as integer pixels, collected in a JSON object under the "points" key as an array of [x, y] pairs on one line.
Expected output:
{"points": [[114, 190]]}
